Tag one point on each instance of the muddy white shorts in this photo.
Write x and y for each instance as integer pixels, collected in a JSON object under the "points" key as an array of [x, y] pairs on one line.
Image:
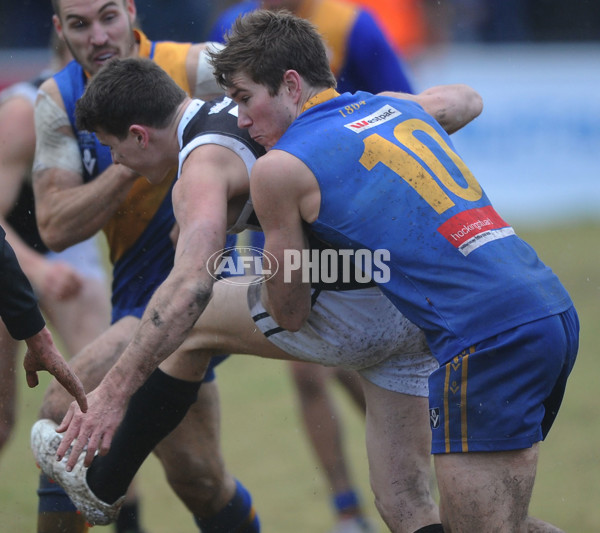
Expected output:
{"points": [[359, 330]]}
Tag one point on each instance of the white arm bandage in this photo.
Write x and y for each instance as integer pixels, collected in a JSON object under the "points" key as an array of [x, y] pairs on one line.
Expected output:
{"points": [[206, 85], [53, 147]]}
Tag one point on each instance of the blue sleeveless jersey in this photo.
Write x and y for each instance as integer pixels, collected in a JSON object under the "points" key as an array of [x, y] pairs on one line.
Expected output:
{"points": [[390, 179], [138, 233]]}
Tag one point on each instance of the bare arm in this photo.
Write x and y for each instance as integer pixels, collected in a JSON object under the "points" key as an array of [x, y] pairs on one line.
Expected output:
{"points": [[453, 106], [17, 146], [283, 194], [210, 176], [69, 211], [200, 206]]}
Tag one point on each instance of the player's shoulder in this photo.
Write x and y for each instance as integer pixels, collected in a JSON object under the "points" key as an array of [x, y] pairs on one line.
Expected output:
{"points": [[50, 89], [276, 163], [219, 114]]}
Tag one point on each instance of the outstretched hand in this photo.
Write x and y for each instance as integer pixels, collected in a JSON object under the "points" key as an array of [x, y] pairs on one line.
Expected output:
{"points": [[90, 431], [42, 354]]}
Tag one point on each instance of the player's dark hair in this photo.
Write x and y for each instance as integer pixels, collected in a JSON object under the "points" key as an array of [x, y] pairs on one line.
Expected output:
{"points": [[265, 44], [125, 92]]}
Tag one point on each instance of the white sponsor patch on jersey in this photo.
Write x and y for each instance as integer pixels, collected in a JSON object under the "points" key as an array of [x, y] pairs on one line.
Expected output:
{"points": [[219, 106], [382, 115]]}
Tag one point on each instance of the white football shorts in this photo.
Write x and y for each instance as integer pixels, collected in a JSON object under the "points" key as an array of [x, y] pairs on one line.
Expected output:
{"points": [[359, 330]]}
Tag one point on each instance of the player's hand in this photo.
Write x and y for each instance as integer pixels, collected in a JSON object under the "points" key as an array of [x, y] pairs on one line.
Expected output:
{"points": [[93, 430], [42, 354]]}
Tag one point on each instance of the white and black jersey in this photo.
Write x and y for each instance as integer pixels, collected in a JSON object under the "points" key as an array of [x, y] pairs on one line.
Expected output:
{"points": [[215, 122]]}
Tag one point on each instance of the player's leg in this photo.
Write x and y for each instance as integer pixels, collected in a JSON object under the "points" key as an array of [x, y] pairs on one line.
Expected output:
{"points": [[163, 399], [351, 383], [487, 434], [228, 327], [78, 321], [8, 390], [195, 468], [81, 319], [398, 448], [56, 512], [191, 455], [323, 427], [496, 485]]}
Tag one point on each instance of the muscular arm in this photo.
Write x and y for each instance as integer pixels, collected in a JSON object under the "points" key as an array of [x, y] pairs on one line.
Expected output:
{"points": [[210, 177], [200, 199], [284, 194], [17, 146], [68, 210], [453, 106]]}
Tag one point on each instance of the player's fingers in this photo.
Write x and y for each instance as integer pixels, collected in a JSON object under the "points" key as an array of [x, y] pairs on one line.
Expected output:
{"points": [[106, 442], [32, 379], [67, 378], [67, 419], [92, 446], [70, 427], [78, 446]]}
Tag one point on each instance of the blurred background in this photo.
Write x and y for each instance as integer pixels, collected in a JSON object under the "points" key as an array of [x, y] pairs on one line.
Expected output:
{"points": [[535, 62], [535, 150]]}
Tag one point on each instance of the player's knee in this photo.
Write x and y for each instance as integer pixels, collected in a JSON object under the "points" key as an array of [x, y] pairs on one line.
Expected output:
{"points": [[309, 379], [198, 481], [56, 403], [411, 496]]}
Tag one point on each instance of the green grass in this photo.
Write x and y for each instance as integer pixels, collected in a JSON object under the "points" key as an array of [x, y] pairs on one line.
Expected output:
{"points": [[265, 447]]}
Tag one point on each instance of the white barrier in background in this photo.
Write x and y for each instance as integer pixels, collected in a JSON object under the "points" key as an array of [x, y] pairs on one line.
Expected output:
{"points": [[536, 147]]}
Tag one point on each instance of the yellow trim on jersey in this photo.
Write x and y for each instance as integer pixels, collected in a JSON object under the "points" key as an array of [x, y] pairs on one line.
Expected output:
{"points": [[323, 96], [170, 55], [144, 199]]}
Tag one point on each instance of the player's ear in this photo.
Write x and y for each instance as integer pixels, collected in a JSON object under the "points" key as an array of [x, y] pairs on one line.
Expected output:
{"points": [[140, 134], [292, 83], [57, 25], [131, 11]]}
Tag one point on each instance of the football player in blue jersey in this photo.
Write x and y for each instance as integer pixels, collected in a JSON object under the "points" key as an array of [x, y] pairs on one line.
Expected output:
{"points": [[361, 58], [373, 173], [354, 324]]}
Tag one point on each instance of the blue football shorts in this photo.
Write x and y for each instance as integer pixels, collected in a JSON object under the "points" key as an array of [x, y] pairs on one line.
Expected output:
{"points": [[505, 392]]}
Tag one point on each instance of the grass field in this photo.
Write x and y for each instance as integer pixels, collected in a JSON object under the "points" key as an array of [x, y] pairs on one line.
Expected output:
{"points": [[266, 448]]}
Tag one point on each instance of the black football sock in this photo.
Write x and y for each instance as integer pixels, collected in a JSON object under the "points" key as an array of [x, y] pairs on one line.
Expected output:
{"points": [[153, 412], [128, 520]]}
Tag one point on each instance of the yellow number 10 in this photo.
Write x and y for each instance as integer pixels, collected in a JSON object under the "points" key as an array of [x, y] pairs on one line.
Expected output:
{"points": [[397, 159]]}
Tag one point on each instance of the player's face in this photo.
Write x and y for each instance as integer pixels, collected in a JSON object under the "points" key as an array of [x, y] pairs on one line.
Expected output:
{"points": [[95, 31], [133, 153], [266, 117]]}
